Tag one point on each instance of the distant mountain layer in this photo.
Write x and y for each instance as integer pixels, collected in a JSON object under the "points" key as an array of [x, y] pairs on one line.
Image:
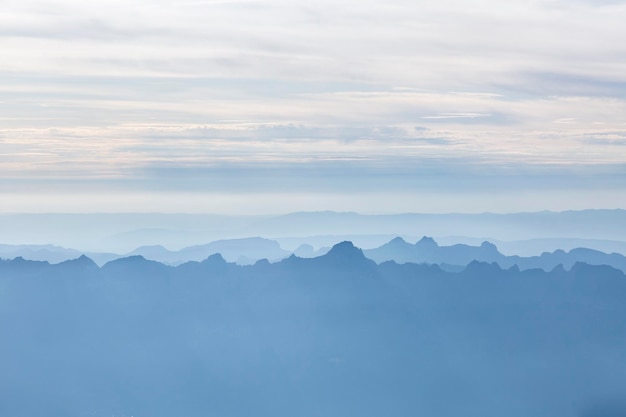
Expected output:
{"points": [[589, 224], [121, 233], [428, 251], [335, 335], [243, 251], [422, 257], [247, 251]]}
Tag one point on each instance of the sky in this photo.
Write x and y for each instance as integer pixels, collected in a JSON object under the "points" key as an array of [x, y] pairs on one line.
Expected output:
{"points": [[246, 107]]}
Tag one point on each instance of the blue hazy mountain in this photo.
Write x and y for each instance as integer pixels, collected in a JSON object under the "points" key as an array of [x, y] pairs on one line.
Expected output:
{"points": [[426, 250], [334, 335], [308, 251], [249, 250], [121, 233], [534, 247], [242, 251], [51, 253], [592, 224]]}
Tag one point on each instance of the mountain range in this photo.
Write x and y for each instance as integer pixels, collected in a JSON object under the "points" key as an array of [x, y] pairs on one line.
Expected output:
{"points": [[333, 335], [122, 233], [247, 251], [426, 250]]}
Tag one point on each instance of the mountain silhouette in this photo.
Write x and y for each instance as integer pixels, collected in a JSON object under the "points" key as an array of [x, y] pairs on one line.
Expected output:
{"points": [[428, 251], [332, 335], [244, 251]]}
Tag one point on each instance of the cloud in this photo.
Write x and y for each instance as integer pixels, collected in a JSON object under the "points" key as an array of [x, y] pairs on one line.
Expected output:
{"points": [[324, 95], [567, 84]]}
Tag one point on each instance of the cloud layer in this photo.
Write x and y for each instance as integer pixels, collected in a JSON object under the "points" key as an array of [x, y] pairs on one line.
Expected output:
{"points": [[235, 97]]}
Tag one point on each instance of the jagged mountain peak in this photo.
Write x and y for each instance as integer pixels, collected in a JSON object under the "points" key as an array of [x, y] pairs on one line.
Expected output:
{"points": [[397, 240], [345, 249], [426, 241], [216, 258], [81, 260], [132, 261], [488, 245]]}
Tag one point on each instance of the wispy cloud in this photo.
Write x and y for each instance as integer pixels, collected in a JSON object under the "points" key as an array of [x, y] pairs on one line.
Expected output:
{"points": [[194, 93], [457, 116]]}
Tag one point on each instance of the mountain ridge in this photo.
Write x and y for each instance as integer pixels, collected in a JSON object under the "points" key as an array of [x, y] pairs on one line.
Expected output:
{"points": [[122, 233], [137, 337], [341, 255], [247, 251]]}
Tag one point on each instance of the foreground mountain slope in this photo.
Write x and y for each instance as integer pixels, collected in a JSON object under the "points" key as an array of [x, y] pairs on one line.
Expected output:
{"points": [[334, 335]]}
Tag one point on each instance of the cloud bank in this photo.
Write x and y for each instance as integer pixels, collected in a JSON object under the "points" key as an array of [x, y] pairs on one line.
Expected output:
{"points": [[278, 99]]}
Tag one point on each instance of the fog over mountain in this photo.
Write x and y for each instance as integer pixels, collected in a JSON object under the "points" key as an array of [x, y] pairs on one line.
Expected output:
{"points": [[534, 247], [334, 335], [242, 251], [249, 250], [122, 233], [292, 208]]}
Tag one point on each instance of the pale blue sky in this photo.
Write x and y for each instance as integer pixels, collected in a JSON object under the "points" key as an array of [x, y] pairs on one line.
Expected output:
{"points": [[274, 106]]}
